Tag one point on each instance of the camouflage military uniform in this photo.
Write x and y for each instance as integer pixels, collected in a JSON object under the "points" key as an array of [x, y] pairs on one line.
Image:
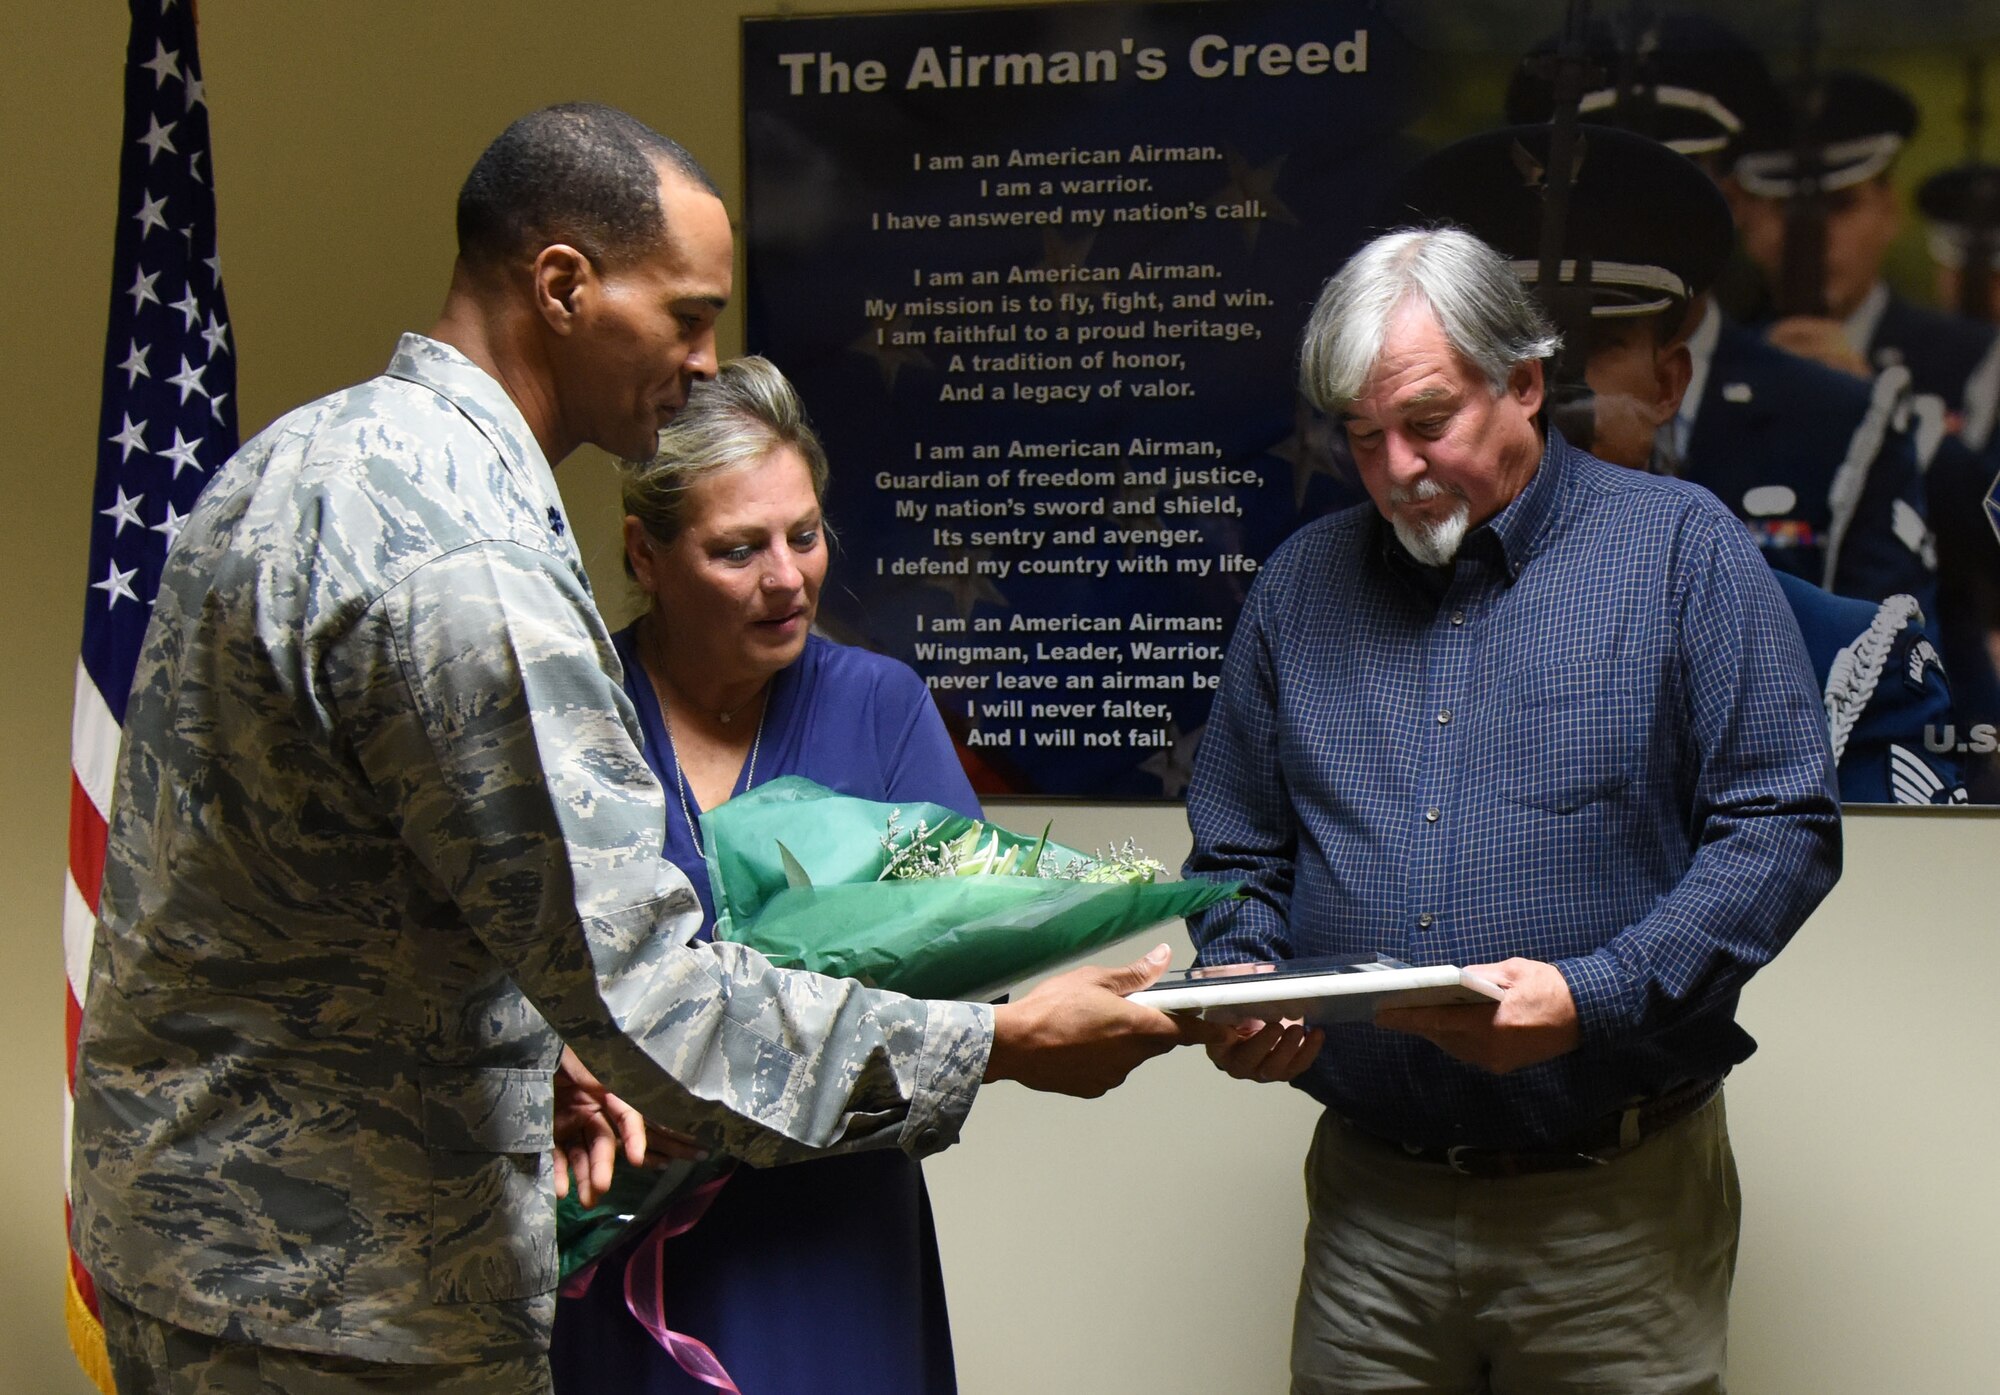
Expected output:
{"points": [[381, 832]]}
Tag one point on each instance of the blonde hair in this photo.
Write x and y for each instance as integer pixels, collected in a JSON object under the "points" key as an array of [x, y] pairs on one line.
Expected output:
{"points": [[746, 412]]}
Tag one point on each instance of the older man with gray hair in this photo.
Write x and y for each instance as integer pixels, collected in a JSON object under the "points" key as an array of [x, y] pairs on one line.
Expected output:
{"points": [[1551, 719]]}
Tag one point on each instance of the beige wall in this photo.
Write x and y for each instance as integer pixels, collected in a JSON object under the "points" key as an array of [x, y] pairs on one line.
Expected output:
{"points": [[1145, 1242]]}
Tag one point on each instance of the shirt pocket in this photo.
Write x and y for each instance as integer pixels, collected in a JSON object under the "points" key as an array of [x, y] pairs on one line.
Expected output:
{"points": [[1567, 738], [493, 1223]]}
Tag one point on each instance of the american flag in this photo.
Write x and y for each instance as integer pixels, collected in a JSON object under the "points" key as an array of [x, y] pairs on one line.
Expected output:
{"points": [[168, 420]]}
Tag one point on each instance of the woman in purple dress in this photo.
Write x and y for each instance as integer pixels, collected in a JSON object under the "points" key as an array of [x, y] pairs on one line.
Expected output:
{"points": [[822, 1276]]}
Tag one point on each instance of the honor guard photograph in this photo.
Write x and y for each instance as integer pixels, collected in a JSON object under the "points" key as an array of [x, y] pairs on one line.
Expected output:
{"points": [[952, 697]]}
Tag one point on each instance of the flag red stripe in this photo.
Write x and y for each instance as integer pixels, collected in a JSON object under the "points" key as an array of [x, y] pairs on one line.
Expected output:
{"points": [[86, 842]]}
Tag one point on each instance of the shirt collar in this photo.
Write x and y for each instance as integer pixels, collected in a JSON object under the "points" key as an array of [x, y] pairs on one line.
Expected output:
{"points": [[483, 402], [1505, 541]]}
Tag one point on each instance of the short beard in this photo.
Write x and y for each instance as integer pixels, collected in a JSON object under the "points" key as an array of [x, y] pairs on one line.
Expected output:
{"points": [[1433, 544]]}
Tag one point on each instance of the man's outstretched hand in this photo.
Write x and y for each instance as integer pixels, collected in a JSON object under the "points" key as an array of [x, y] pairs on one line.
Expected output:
{"points": [[1534, 1021], [1075, 1034]]}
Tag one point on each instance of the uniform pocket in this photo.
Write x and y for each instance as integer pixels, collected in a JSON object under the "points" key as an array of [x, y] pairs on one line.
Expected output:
{"points": [[1568, 737], [493, 1223]]}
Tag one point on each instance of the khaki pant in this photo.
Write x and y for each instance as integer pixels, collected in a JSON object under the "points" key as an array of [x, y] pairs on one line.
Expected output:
{"points": [[1609, 1279], [151, 1357]]}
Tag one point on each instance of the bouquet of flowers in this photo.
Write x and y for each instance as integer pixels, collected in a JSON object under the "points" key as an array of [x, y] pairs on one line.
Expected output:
{"points": [[912, 897], [919, 898]]}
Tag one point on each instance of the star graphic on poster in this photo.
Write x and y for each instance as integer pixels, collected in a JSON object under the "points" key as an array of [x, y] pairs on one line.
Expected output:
{"points": [[973, 586], [878, 343], [1173, 763], [124, 509], [1133, 507], [1065, 252], [1247, 183], [1313, 448]]}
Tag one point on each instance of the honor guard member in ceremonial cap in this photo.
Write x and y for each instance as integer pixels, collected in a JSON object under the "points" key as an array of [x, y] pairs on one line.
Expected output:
{"points": [[1854, 136], [1822, 468], [1961, 207], [1648, 232]]}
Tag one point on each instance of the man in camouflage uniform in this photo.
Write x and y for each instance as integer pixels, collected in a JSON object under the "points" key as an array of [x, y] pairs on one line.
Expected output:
{"points": [[382, 839]]}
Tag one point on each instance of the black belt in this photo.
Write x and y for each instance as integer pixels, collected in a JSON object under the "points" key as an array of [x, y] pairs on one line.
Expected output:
{"points": [[1608, 1138]]}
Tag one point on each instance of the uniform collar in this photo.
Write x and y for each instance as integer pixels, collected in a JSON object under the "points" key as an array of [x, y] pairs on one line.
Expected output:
{"points": [[482, 401]]}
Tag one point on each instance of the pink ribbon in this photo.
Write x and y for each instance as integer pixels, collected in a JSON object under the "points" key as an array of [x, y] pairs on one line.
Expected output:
{"points": [[645, 1287]]}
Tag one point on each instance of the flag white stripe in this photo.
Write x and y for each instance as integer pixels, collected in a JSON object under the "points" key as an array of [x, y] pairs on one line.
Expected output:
{"points": [[93, 742], [79, 934]]}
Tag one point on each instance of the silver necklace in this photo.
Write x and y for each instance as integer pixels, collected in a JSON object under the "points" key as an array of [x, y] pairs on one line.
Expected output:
{"points": [[680, 779]]}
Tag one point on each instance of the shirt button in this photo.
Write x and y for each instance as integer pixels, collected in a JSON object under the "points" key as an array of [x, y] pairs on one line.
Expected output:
{"points": [[1432, 814], [929, 1137], [1444, 717], [1424, 921], [1458, 617]]}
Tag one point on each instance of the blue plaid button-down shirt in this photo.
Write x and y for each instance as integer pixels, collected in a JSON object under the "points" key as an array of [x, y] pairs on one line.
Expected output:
{"points": [[1596, 742]]}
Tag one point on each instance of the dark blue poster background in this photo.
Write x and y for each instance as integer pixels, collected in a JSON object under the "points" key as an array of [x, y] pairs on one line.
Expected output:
{"points": [[1039, 275]]}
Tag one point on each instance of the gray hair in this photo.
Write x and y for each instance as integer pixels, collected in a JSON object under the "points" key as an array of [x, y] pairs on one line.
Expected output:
{"points": [[1486, 314], [739, 418]]}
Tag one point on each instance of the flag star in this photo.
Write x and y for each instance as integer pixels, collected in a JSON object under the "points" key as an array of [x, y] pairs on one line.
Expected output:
{"points": [[165, 64], [159, 138], [132, 437], [215, 406], [151, 213], [125, 510], [141, 289], [197, 91], [188, 380], [171, 524], [135, 364], [217, 336], [194, 167], [190, 309], [181, 452], [117, 585], [214, 264]]}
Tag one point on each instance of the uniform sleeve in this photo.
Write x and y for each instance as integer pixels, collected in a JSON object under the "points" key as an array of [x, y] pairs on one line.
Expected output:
{"points": [[1765, 816], [1239, 803], [1889, 754], [491, 727]]}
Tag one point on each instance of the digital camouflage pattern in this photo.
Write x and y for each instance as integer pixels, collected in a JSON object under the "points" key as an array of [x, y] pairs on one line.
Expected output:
{"points": [[381, 834]]}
